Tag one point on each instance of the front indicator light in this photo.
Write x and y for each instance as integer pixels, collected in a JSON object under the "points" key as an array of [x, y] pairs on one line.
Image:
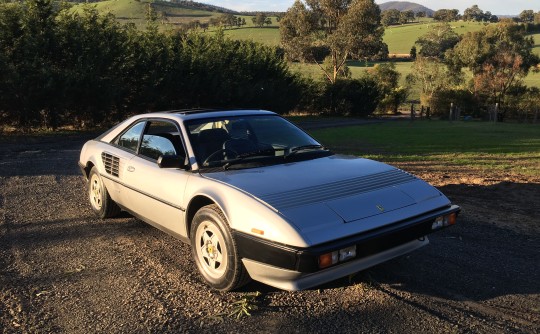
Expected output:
{"points": [[328, 259], [451, 219], [443, 221], [344, 254]]}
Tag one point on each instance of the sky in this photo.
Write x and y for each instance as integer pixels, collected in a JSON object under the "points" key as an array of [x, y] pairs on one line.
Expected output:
{"points": [[497, 7]]}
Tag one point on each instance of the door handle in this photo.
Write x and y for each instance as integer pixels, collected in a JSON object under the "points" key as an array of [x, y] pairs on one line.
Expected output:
{"points": [[131, 169]]}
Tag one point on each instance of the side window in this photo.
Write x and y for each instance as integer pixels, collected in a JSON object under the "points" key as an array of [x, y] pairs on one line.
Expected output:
{"points": [[130, 139], [161, 138]]}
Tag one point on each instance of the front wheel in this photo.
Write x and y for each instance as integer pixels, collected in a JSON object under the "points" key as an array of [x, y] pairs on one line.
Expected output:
{"points": [[214, 250], [100, 200]]}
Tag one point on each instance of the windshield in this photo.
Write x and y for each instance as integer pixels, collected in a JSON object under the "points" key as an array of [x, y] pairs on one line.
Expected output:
{"points": [[249, 141]]}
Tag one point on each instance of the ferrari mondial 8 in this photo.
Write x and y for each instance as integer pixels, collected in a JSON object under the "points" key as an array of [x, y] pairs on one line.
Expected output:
{"points": [[258, 198]]}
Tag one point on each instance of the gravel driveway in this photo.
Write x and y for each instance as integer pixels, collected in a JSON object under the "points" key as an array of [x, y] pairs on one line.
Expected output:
{"points": [[64, 271]]}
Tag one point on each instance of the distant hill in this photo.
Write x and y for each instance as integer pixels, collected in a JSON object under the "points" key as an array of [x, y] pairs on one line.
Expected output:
{"points": [[175, 12], [405, 5]]}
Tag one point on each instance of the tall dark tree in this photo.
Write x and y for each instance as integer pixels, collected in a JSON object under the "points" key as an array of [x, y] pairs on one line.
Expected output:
{"points": [[59, 66]]}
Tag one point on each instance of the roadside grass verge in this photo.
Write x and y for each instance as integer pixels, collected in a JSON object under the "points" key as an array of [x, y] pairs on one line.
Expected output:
{"points": [[468, 146]]}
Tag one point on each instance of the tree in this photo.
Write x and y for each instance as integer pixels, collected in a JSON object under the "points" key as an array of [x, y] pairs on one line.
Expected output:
{"points": [[214, 21], [228, 20], [406, 16], [433, 77], [474, 14], [31, 51], [446, 15], [392, 94], [260, 19], [499, 57], [490, 17], [412, 53], [437, 40], [421, 14], [350, 29], [59, 66], [390, 17], [527, 16]]}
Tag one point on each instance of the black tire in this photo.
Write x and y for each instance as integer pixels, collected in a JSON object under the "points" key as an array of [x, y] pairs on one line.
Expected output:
{"points": [[100, 200], [215, 252]]}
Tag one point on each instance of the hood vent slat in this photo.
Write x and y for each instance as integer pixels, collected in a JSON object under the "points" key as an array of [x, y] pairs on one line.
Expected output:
{"points": [[330, 191]]}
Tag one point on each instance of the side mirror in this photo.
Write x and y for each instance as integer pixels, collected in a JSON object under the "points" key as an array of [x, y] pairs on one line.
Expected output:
{"points": [[172, 161]]}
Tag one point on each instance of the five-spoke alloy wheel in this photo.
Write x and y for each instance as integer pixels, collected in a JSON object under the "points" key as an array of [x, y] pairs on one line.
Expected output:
{"points": [[214, 250], [100, 200]]}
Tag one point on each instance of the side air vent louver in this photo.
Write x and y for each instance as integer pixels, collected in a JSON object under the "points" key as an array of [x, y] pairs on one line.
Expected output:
{"points": [[111, 163]]}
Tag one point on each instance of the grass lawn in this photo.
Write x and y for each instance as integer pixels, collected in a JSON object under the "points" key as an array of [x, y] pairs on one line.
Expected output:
{"points": [[505, 147]]}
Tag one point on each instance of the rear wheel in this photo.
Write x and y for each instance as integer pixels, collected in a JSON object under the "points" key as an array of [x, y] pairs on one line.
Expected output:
{"points": [[215, 252], [100, 200]]}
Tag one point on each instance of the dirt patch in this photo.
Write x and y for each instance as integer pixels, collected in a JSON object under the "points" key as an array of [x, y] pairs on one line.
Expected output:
{"points": [[63, 270]]}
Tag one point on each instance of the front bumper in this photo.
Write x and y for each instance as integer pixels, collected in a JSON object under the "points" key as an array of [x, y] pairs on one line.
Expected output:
{"points": [[293, 280], [293, 268]]}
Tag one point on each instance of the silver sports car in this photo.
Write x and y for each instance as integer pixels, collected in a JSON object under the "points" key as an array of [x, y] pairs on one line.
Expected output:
{"points": [[258, 198]]}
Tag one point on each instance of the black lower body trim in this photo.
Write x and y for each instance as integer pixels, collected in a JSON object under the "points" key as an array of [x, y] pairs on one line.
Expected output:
{"points": [[306, 260]]}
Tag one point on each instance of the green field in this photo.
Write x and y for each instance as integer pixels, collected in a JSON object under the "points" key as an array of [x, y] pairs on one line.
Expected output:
{"points": [[537, 43], [495, 146], [400, 39], [266, 35], [134, 11]]}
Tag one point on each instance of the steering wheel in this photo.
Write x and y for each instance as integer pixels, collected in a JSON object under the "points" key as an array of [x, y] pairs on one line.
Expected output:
{"points": [[212, 157]]}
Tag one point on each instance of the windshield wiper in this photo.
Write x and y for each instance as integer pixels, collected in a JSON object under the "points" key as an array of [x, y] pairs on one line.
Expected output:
{"points": [[295, 150]]}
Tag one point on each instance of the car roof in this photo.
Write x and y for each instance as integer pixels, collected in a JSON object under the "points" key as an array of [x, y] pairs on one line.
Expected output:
{"points": [[181, 115], [189, 114]]}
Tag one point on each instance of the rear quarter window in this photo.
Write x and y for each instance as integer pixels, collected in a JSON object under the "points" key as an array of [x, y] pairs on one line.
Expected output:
{"points": [[130, 139]]}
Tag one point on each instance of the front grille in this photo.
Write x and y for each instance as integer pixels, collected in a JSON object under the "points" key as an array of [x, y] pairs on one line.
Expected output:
{"points": [[111, 163]]}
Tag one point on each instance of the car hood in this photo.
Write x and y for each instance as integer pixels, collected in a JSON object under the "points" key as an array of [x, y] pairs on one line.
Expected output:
{"points": [[336, 190]]}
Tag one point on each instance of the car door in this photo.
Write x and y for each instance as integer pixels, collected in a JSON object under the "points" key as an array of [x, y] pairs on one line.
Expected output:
{"points": [[157, 194]]}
